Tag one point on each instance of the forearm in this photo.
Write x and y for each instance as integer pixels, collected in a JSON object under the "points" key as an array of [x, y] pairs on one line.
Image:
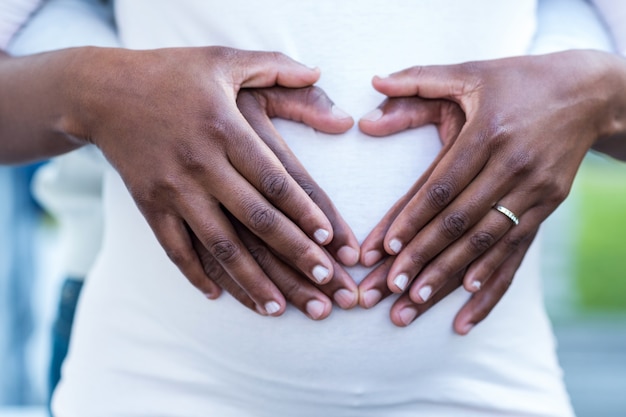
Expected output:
{"points": [[611, 139], [36, 93]]}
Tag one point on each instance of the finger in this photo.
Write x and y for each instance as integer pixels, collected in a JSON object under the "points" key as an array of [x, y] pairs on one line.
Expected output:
{"points": [[297, 290], [174, 237], [218, 236], [264, 69], [449, 122], [344, 245], [401, 113], [458, 167], [217, 274], [482, 302], [451, 82], [308, 105], [433, 255], [404, 311], [374, 288], [520, 236], [462, 252], [341, 288]]}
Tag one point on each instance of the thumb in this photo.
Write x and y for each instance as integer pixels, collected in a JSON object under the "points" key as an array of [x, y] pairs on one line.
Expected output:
{"points": [[452, 82], [309, 105], [266, 69]]}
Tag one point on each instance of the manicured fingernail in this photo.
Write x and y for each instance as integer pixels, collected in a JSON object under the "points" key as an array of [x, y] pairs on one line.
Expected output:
{"points": [[400, 281], [476, 285], [348, 256], [371, 257], [272, 307], [373, 116], [339, 113], [395, 245], [321, 235], [320, 273], [371, 297], [345, 298], [315, 308], [425, 292], [407, 315]]}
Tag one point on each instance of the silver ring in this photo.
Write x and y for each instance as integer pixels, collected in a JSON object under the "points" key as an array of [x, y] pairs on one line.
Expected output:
{"points": [[508, 213]]}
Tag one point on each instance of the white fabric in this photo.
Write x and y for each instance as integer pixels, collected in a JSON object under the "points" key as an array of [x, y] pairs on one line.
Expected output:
{"points": [[13, 14], [614, 14], [569, 24], [146, 343]]}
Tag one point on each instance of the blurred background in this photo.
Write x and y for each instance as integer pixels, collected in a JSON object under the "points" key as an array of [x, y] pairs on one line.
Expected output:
{"points": [[584, 268]]}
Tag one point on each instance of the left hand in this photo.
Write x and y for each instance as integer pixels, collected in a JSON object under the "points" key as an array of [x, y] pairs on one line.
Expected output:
{"points": [[311, 106], [530, 121]]}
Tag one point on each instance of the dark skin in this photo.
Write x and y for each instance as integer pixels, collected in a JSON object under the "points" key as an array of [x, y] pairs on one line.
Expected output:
{"points": [[151, 114], [527, 124], [168, 121]]}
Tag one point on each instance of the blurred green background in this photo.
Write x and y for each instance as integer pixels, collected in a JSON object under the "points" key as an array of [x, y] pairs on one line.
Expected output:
{"points": [[599, 254]]}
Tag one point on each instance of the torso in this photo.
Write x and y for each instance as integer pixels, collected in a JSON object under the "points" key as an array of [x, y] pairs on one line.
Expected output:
{"points": [[157, 347]]}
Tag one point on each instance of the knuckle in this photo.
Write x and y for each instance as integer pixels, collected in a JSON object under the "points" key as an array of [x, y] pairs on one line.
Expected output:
{"points": [[481, 241], [179, 256], [314, 95], [306, 183], [440, 194], [261, 255], [290, 289], [261, 219], [521, 162], [514, 240], [225, 251], [274, 184], [455, 224], [443, 271], [418, 260], [298, 251]]}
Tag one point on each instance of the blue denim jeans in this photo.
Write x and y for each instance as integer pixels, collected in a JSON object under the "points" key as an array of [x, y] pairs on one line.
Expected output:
{"points": [[62, 330]]}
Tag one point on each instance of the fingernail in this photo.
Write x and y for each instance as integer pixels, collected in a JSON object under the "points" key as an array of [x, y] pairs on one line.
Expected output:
{"points": [[373, 116], [425, 292], [339, 113], [320, 273], [476, 285], [400, 281], [407, 315], [395, 245], [272, 307], [321, 235], [315, 309], [371, 297], [371, 257], [345, 298], [348, 256]]}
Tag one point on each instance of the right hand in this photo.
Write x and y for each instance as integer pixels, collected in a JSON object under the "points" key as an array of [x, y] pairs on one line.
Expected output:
{"points": [[167, 120], [311, 106]]}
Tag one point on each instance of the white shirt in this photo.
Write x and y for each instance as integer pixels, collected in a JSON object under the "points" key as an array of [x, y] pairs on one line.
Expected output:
{"points": [[146, 343]]}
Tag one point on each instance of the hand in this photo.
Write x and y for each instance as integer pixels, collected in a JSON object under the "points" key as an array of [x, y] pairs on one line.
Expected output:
{"points": [[530, 121], [168, 122], [311, 106]]}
